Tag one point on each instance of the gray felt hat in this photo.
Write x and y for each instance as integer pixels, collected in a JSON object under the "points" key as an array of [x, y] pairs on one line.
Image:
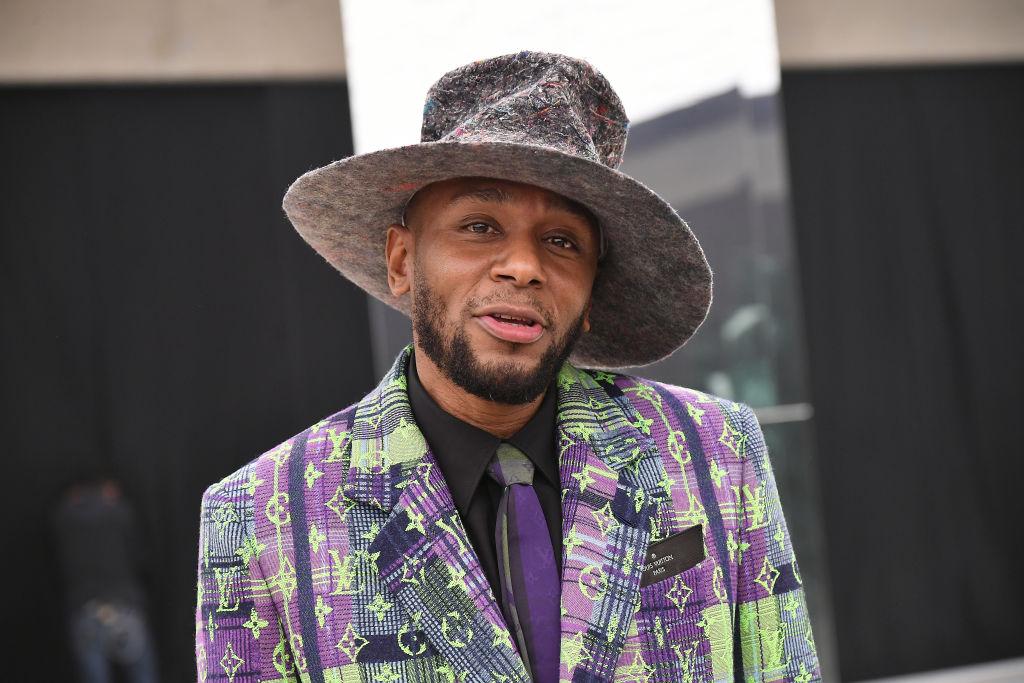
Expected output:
{"points": [[539, 118]]}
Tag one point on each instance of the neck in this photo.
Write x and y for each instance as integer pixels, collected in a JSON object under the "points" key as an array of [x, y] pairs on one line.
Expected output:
{"points": [[500, 419]]}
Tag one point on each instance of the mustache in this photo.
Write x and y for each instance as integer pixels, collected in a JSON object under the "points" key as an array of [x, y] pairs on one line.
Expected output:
{"points": [[478, 303]]}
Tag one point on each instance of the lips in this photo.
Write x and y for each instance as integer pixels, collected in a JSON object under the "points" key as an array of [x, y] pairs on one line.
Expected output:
{"points": [[511, 328], [504, 318]]}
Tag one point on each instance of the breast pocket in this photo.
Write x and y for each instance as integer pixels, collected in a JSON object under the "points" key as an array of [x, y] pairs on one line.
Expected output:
{"points": [[677, 596], [669, 619]]}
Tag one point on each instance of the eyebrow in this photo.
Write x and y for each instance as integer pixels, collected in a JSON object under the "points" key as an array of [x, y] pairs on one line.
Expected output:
{"points": [[500, 196]]}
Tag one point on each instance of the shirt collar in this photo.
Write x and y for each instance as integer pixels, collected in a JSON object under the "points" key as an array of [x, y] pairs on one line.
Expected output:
{"points": [[463, 450]]}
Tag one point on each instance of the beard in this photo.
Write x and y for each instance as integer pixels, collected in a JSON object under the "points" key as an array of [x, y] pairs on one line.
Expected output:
{"points": [[506, 383]]}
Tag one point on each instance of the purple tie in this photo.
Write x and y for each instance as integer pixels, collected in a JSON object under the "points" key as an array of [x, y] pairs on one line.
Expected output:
{"points": [[526, 565]]}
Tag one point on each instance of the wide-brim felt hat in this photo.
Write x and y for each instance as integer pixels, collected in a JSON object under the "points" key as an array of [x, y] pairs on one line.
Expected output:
{"points": [[532, 117]]}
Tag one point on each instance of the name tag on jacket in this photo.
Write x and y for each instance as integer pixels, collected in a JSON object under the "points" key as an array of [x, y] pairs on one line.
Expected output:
{"points": [[673, 555]]}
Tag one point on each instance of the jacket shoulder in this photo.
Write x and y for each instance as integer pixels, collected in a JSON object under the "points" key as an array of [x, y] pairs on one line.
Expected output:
{"points": [[693, 402], [729, 427], [324, 433]]}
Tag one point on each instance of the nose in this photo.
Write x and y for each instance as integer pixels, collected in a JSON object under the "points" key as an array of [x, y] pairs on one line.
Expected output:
{"points": [[518, 261]]}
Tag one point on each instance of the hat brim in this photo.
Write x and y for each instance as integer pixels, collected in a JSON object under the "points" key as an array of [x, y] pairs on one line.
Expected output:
{"points": [[652, 290]]}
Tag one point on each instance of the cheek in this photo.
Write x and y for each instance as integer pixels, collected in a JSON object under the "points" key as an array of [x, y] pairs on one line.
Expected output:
{"points": [[572, 293], [453, 284]]}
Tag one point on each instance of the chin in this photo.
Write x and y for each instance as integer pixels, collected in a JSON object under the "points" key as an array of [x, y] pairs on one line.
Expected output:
{"points": [[509, 351]]}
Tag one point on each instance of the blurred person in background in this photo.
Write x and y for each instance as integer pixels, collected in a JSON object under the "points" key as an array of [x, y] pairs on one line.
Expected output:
{"points": [[101, 553]]}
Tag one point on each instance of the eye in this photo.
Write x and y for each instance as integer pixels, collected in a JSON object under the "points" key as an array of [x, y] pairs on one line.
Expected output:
{"points": [[474, 224], [565, 240]]}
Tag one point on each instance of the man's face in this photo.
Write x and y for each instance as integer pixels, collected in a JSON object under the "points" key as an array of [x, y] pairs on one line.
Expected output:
{"points": [[484, 250]]}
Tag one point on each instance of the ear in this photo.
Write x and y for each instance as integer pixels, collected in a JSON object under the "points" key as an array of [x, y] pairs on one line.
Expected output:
{"points": [[586, 317], [398, 254]]}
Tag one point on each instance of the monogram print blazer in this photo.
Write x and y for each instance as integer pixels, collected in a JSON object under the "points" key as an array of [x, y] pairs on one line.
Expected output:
{"points": [[338, 556]]}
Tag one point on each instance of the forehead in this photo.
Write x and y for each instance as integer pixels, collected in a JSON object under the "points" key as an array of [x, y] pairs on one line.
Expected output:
{"points": [[446, 193]]}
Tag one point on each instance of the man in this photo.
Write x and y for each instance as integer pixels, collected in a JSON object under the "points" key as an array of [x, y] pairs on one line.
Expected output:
{"points": [[104, 560], [503, 506]]}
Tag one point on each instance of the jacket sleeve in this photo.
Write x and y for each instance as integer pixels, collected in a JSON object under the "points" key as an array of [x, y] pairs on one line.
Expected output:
{"points": [[239, 636], [774, 638]]}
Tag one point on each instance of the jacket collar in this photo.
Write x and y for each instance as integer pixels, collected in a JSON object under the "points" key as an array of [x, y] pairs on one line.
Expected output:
{"points": [[463, 450], [610, 471]]}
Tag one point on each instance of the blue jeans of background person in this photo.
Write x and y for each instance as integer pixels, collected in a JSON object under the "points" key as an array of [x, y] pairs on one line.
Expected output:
{"points": [[107, 634]]}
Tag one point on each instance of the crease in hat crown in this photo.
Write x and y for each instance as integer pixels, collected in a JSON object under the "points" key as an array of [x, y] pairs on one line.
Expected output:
{"points": [[536, 98], [543, 119]]}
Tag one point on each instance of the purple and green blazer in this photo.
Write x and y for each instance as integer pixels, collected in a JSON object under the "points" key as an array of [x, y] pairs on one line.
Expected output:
{"points": [[338, 556]]}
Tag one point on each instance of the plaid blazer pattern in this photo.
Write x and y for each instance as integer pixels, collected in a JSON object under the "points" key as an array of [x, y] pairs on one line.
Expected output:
{"points": [[338, 556]]}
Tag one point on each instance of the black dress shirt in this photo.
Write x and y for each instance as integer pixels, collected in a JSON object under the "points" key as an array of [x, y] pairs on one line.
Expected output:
{"points": [[463, 452]]}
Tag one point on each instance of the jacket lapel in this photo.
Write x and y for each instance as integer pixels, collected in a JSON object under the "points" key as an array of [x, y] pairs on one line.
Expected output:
{"points": [[423, 553], [613, 482]]}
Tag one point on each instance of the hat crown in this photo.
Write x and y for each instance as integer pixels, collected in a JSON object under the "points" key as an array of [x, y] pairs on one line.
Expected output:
{"points": [[532, 98]]}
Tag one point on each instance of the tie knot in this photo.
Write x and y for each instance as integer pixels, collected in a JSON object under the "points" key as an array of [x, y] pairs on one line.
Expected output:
{"points": [[510, 466]]}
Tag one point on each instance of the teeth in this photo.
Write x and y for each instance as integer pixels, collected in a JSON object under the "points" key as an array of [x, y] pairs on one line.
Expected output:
{"points": [[509, 318]]}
